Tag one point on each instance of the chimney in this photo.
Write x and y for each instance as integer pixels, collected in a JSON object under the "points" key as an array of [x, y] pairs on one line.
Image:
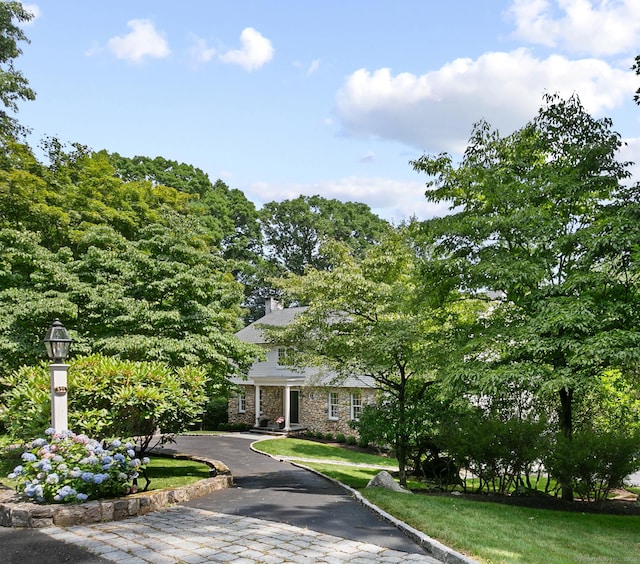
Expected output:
{"points": [[271, 304]]}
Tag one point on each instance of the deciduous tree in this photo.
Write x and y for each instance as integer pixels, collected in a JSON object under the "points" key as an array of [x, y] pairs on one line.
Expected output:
{"points": [[364, 319], [532, 216]]}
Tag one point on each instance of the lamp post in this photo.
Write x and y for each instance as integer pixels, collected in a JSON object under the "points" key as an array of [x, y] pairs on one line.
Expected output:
{"points": [[57, 342]]}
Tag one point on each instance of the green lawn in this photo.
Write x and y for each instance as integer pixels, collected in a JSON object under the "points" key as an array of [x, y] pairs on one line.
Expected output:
{"points": [[171, 473], [488, 532], [300, 448]]}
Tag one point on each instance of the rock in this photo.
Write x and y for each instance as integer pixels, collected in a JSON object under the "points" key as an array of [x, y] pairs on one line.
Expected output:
{"points": [[385, 480]]}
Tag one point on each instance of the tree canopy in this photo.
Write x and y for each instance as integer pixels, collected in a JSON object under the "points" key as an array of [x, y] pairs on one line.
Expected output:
{"points": [[363, 318], [537, 218], [13, 85]]}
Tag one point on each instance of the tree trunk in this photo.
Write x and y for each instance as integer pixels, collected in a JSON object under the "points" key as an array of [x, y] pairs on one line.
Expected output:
{"points": [[566, 425]]}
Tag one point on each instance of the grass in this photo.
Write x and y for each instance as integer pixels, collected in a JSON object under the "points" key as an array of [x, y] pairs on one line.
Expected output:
{"points": [[488, 532], [172, 473], [300, 448]]}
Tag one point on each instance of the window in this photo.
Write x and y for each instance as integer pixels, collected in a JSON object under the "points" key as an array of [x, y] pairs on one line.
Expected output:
{"points": [[242, 403], [356, 405], [333, 405], [282, 355]]}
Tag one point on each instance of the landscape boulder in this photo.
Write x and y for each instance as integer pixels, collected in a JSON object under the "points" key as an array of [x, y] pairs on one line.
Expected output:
{"points": [[385, 480]]}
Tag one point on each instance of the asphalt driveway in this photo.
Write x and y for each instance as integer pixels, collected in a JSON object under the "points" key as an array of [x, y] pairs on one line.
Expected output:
{"points": [[279, 491]]}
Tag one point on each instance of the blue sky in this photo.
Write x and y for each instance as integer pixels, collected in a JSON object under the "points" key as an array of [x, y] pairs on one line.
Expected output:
{"points": [[328, 97]]}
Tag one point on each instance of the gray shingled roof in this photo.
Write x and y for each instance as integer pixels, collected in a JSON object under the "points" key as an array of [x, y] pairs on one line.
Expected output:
{"points": [[279, 317]]}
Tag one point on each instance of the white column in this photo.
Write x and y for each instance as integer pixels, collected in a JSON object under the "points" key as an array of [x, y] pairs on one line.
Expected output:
{"points": [[258, 406], [287, 407], [58, 376]]}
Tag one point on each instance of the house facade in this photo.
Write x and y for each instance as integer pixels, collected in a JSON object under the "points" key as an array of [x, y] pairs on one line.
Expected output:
{"points": [[277, 396]]}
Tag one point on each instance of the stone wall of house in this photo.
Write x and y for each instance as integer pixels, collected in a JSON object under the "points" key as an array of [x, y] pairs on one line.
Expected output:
{"points": [[248, 417], [271, 405], [313, 407]]}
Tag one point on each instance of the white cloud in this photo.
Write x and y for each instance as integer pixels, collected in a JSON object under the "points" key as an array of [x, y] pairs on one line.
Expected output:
{"points": [[199, 51], [313, 67], [630, 152], [595, 27], [436, 111], [393, 200], [256, 51], [34, 10], [142, 42]]}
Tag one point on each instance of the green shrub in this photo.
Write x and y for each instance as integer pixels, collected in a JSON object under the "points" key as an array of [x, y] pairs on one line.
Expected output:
{"points": [[65, 467], [363, 443], [340, 438], [107, 397], [593, 463], [215, 413], [328, 436], [351, 440], [318, 435], [501, 453]]}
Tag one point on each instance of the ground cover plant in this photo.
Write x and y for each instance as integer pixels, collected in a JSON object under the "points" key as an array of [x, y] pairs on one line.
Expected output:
{"points": [[489, 532]]}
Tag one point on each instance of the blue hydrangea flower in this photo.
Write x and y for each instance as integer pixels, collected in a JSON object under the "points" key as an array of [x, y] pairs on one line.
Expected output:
{"points": [[116, 443], [145, 460], [81, 497], [99, 478], [44, 465], [87, 476], [53, 478], [50, 431], [29, 457], [119, 457]]}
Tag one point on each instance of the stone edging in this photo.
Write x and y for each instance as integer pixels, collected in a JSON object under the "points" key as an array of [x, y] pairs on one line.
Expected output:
{"points": [[17, 513]]}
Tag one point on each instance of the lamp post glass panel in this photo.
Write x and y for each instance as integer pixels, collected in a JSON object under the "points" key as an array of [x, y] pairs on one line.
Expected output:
{"points": [[57, 342]]}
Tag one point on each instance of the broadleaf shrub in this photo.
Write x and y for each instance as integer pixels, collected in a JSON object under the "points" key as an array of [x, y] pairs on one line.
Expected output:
{"points": [[593, 462], [108, 397]]}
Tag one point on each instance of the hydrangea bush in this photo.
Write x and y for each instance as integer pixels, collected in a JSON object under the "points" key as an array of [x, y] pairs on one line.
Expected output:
{"points": [[65, 468]]}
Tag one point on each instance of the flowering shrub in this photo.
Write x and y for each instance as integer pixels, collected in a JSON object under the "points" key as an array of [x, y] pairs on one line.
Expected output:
{"points": [[65, 467]]}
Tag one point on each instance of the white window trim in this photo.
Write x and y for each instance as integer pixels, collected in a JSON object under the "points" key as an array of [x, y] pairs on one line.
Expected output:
{"points": [[242, 403], [333, 407], [355, 405]]}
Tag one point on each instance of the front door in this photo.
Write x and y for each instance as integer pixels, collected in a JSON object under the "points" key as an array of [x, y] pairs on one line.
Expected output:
{"points": [[294, 415]]}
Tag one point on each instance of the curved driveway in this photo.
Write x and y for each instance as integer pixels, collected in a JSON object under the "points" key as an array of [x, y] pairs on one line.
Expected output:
{"points": [[275, 513], [278, 491]]}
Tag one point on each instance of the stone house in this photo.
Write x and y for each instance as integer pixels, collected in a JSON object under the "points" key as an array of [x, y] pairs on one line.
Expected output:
{"points": [[275, 396]]}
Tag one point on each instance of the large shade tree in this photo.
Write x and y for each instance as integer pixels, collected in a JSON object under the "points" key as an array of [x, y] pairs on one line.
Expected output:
{"points": [[14, 87], [540, 218], [363, 318]]}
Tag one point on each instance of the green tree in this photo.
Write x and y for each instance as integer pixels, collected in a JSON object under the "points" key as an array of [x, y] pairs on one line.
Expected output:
{"points": [[363, 319], [13, 85], [636, 68], [164, 297], [532, 213], [294, 231]]}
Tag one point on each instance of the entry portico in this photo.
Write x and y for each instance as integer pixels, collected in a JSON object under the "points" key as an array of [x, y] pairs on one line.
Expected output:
{"points": [[277, 396]]}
